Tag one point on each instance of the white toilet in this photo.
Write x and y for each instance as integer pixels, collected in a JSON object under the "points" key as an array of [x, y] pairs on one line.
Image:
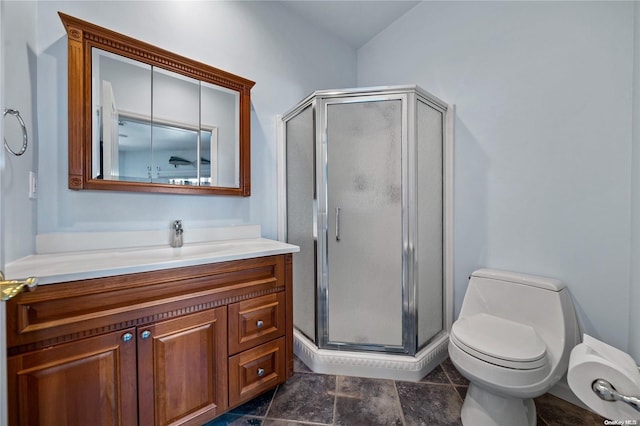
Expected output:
{"points": [[512, 342]]}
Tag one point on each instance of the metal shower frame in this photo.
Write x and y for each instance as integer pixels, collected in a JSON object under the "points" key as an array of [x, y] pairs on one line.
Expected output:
{"points": [[409, 96]]}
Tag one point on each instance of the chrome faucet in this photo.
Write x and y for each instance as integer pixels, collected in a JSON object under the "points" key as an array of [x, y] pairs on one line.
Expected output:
{"points": [[176, 233]]}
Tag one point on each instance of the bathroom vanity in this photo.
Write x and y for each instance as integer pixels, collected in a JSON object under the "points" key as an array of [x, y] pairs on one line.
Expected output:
{"points": [[149, 333], [175, 342]]}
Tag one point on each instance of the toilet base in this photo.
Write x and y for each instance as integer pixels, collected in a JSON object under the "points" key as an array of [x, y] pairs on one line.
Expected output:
{"points": [[484, 408]]}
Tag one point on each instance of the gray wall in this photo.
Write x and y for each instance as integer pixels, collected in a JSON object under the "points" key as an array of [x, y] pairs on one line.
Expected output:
{"points": [[543, 138]]}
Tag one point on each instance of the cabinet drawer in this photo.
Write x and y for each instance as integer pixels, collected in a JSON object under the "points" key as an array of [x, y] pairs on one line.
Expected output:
{"points": [[255, 371], [256, 321]]}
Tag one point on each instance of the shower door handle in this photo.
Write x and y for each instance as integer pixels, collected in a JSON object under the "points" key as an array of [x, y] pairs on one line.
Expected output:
{"points": [[337, 223]]}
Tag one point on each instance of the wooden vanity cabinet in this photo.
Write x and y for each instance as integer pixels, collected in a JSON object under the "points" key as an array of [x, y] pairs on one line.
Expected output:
{"points": [[256, 346], [172, 347], [91, 382], [182, 371]]}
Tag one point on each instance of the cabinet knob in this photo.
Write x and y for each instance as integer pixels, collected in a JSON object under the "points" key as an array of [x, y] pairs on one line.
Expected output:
{"points": [[260, 372], [145, 334], [259, 324], [126, 337]]}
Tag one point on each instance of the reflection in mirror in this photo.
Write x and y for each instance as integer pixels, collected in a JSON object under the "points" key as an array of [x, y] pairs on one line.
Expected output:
{"points": [[144, 119], [121, 87], [156, 126], [172, 157], [219, 110]]}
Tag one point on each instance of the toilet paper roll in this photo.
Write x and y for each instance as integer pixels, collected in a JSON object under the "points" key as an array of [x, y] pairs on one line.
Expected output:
{"points": [[587, 365]]}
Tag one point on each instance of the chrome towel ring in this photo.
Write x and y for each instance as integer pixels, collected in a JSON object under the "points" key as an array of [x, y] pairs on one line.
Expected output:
{"points": [[25, 140]]}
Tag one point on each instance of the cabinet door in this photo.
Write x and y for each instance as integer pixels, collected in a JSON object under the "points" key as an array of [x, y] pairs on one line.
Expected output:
{"points": [[88, 382], [182, 369]]}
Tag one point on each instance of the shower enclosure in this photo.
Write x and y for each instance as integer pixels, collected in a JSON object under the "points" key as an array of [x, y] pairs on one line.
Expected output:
{"points": [[367, 201]]}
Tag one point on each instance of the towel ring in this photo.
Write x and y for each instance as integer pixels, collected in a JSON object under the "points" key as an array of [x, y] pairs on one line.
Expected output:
{"points": [[25, 140]]}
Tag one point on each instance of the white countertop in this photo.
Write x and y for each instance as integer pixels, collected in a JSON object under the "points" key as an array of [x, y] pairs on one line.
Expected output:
{"points": [[70, 266]]}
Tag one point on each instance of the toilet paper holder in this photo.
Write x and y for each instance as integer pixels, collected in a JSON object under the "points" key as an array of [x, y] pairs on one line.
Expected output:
{"points": [[607, 392]]}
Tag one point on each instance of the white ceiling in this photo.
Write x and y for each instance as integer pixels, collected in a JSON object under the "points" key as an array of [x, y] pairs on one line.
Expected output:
{"points": [[355, 22]]}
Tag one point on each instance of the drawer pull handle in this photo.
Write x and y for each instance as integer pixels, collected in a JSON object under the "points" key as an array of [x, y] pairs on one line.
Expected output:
{"points": [[145, 334], [260, 372], [259, 324], [126, 337]]}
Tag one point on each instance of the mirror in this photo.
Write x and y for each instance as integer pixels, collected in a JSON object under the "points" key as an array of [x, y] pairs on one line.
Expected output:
{"points": [[144, 119]]}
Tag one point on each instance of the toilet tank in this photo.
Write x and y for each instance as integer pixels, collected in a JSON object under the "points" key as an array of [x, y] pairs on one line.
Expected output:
{"points": [[540, 302]]}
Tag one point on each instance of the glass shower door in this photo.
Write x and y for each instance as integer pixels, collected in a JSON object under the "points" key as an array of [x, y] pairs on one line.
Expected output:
{"points": [[430, 222], [301, 222], [364, 277]]}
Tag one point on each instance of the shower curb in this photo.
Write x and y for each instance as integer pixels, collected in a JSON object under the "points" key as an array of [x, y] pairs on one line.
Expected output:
{"points": [[368, 364]]}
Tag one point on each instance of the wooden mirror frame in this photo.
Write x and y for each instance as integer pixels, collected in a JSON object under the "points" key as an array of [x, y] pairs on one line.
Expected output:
{"points": [[82, 37]]}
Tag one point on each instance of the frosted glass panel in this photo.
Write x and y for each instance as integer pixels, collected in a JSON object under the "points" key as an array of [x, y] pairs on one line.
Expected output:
{"points": [[365, 182], [429, 194], [300, 226]]}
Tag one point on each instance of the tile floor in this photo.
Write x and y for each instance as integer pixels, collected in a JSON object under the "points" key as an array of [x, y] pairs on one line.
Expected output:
{"points": [[318, 399]]}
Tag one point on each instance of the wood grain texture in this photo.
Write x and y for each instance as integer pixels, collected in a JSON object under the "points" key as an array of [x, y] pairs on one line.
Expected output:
{"points": [[182, 369], [82, 37], [71, 336], [288, 284], [244, 330], [73, 310], [256, 370], [88, 382], [76, 105]]}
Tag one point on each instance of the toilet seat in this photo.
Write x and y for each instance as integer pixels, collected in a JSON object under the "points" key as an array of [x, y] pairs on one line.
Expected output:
{"points": [[500, 341]]}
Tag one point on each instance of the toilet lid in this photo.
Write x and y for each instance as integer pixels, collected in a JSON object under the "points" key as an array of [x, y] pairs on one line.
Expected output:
{"points": [[500, 341]]}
